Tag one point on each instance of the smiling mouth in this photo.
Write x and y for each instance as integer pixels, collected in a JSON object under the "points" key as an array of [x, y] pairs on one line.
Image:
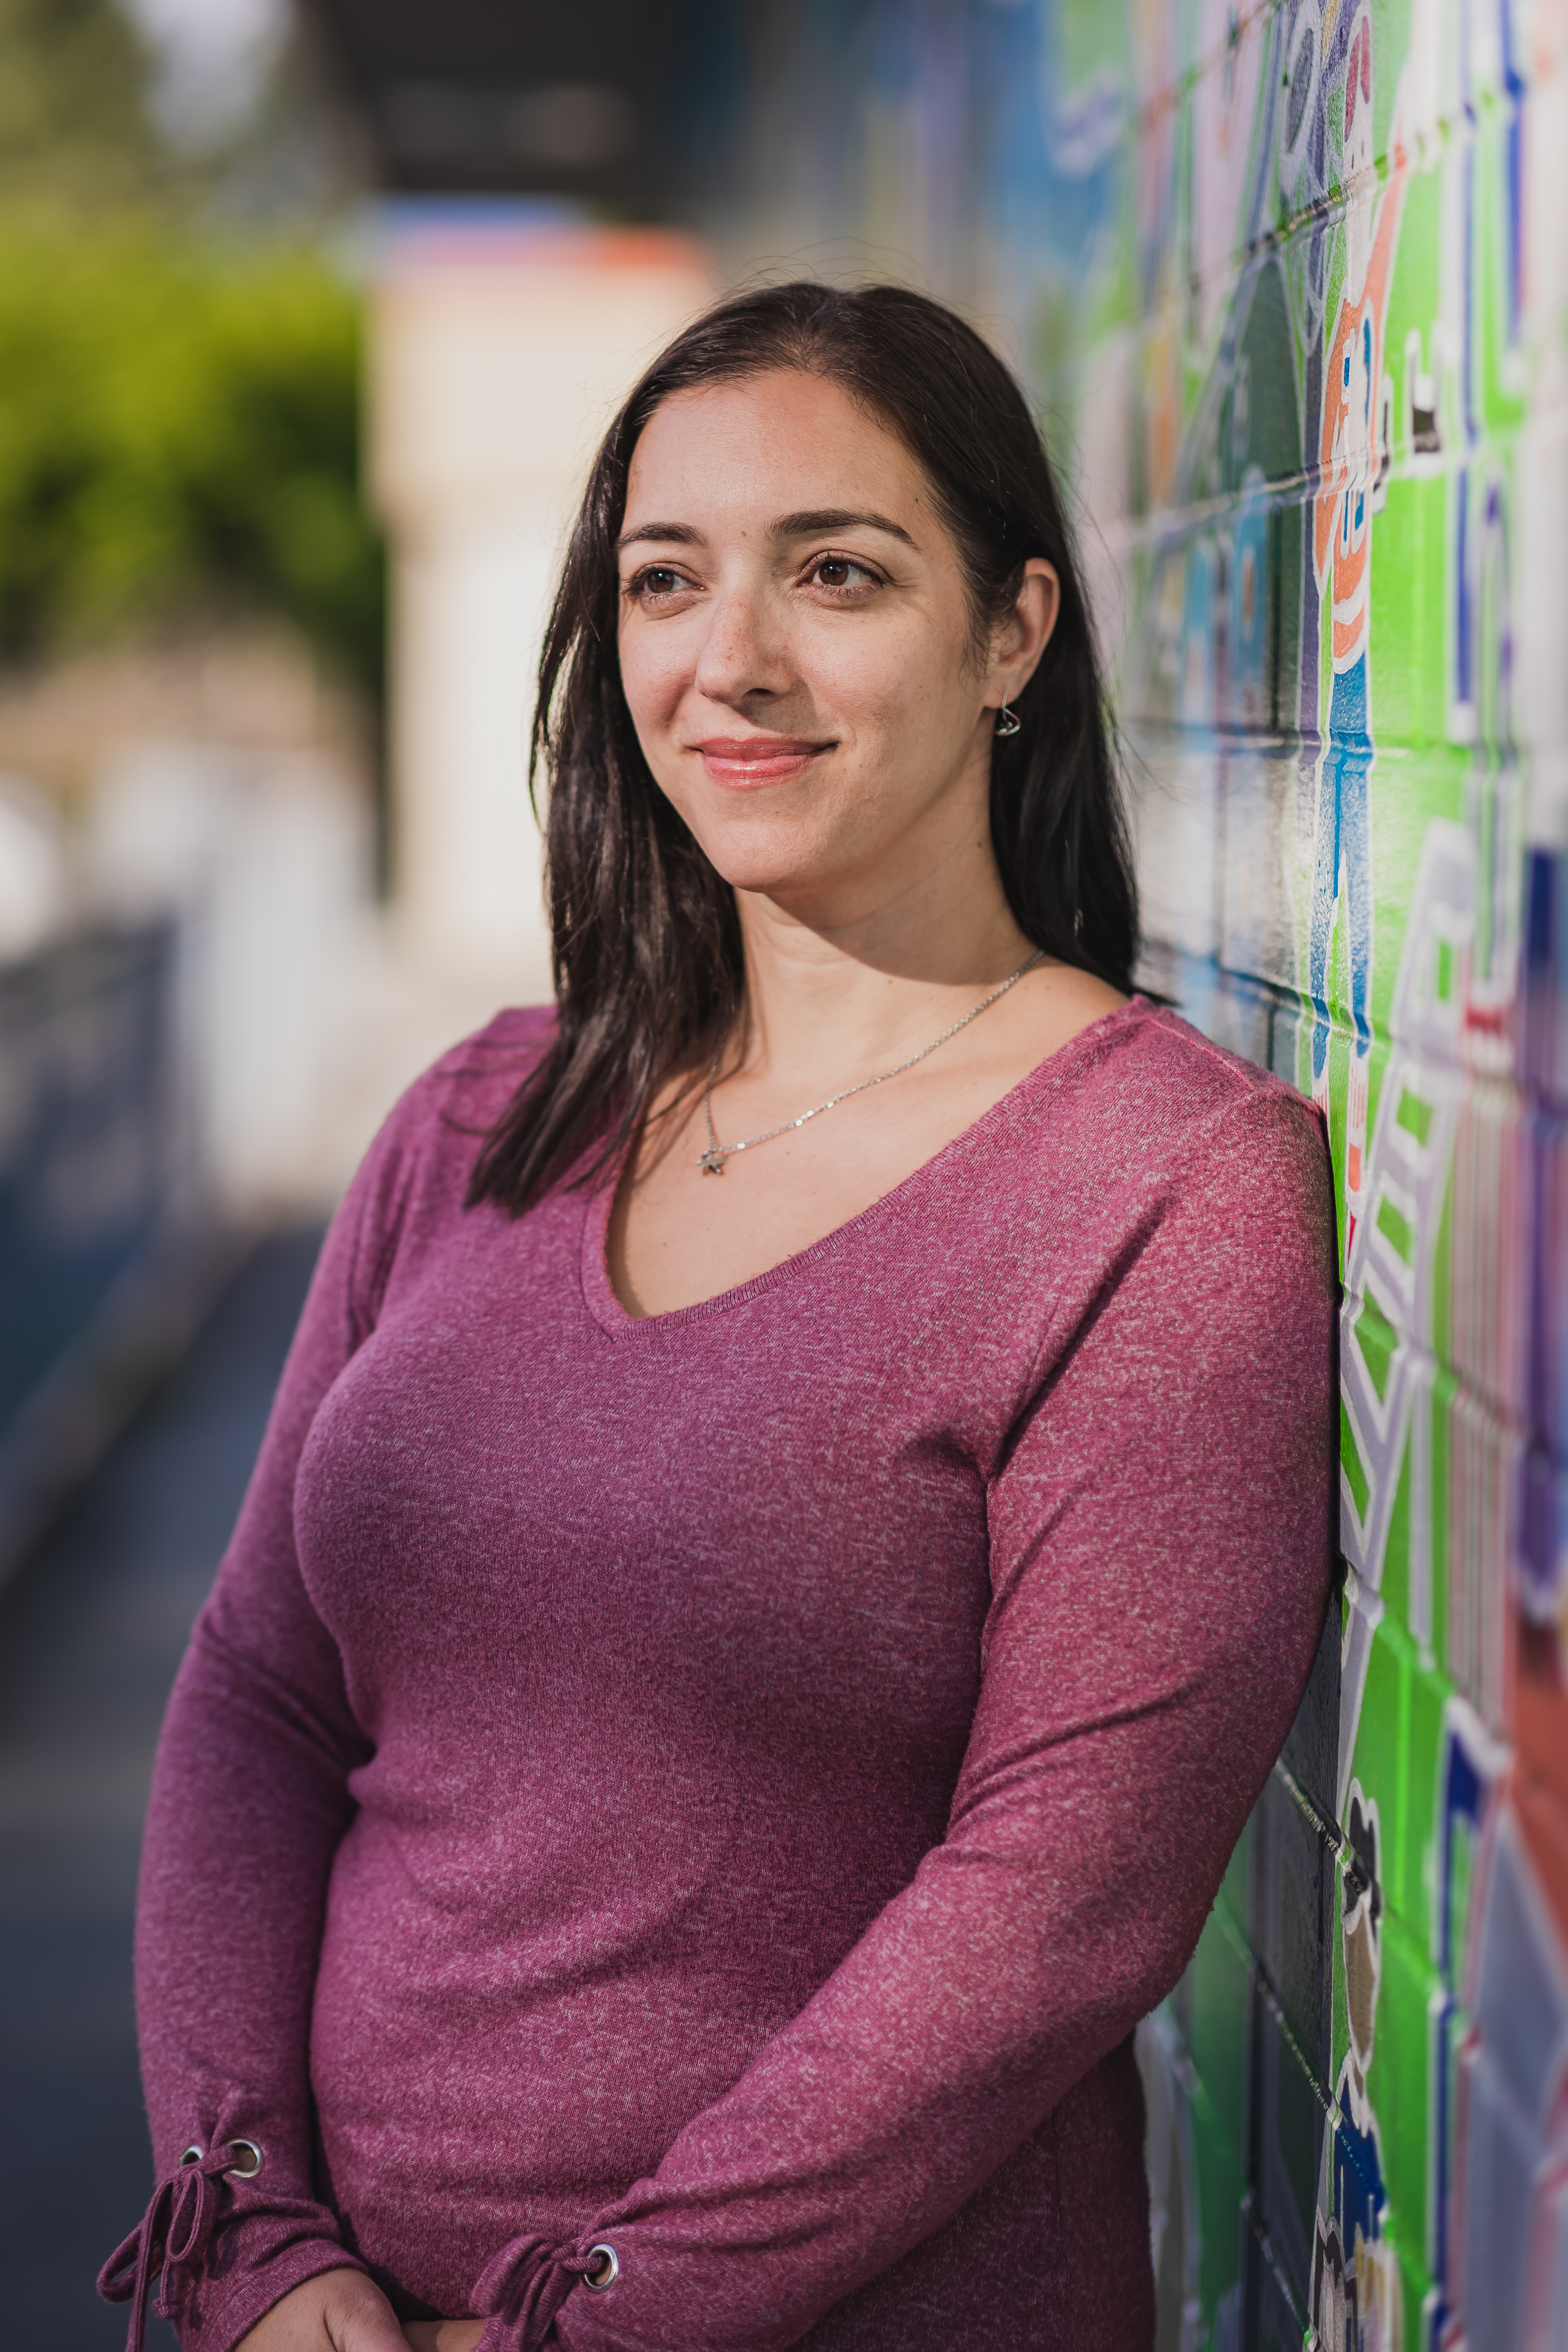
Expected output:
{"points": [[744, 762]]}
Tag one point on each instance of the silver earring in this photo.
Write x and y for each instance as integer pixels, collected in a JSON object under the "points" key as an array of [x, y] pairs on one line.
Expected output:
{"points": [[1008, 722]]}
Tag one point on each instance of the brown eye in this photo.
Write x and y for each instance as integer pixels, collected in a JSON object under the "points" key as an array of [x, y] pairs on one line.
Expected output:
{"points": [[840, 571], [659, 581]]}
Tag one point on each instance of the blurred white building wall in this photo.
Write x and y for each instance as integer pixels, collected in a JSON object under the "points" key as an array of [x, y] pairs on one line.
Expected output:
{"points": [[265, 858], [498, 356], [34, 888]]}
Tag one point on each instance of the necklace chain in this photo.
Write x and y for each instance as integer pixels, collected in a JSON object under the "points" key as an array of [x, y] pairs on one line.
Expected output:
{"points": [[712, 1162]]}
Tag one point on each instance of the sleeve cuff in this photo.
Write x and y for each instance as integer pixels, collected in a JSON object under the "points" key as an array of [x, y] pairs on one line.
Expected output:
{"points": [[240, 2286]]}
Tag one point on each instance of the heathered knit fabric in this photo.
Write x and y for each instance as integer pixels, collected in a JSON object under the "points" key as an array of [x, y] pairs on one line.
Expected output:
{"points": [[727, 1784]]}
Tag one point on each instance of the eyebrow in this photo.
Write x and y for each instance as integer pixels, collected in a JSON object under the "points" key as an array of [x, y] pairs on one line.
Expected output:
{"points": [[805, 525], [681, 533], [819, 519]]}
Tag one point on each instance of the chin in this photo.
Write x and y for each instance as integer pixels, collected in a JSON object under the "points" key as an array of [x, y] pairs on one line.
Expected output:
{"points": [[769, 878], [771, 857]]}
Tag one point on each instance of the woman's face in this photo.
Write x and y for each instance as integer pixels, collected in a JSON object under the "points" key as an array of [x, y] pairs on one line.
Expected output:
{"points": [[797, 645]]}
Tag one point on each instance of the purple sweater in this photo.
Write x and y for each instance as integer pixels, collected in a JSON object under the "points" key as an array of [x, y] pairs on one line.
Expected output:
{"points": [[726, 1786]]}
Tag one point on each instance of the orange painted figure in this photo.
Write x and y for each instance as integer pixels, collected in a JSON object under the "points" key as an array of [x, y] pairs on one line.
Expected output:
{"points": [[1351, 454]]}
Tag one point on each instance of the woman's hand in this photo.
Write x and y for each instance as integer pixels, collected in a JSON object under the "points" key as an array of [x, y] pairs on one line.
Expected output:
{"points": [[339, 2311], [443, 2335]]}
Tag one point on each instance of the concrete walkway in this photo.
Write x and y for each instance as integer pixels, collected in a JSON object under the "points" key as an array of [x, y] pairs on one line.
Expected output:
{"points": [[90, 1634]]}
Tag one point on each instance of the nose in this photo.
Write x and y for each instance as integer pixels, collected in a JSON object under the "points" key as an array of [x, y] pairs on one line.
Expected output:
{"points": [[745, 651]]}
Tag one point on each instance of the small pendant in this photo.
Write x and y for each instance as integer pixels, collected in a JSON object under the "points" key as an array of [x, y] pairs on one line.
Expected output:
{"points": [[712, 1162]]}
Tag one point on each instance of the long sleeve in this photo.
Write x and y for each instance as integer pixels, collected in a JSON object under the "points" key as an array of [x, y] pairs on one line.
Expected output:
{"points": [[1160, 1547], [249, 1803]]}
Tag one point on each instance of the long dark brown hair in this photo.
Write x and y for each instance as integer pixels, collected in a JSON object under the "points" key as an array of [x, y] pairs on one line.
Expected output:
{"points": [[650, 970]]}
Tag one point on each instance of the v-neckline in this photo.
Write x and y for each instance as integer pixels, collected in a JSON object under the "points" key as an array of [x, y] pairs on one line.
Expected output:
{"points": [[603, 1301]]}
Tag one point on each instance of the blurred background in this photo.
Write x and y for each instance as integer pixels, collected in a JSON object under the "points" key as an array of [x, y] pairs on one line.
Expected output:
{"points": [[308, 319], [310, 313]]}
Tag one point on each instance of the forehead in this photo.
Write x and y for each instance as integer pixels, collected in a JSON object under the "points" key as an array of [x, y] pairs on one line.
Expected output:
{"points": [[779, 442]]}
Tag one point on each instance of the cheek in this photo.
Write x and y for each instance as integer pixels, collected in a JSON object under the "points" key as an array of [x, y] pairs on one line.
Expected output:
{"points": [[899, 683], [656, 670]]}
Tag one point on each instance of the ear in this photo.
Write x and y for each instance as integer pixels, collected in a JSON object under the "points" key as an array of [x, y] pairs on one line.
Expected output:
{"points": [[1022, 637]]}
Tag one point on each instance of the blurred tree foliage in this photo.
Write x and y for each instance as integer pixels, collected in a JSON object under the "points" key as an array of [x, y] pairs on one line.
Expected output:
{"points": [[179, 438], [74, 123], [179, 407]]}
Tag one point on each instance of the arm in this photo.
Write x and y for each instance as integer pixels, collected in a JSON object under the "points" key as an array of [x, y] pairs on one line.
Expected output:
{"points": [[249, 1802], [1160, 1558]]}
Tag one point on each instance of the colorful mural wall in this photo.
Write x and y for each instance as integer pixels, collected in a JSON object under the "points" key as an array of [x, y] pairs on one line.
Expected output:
{"points": [[1291, 285]]}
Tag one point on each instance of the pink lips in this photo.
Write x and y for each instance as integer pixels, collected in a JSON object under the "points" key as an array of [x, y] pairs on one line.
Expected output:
{"points": [[744, 762]]}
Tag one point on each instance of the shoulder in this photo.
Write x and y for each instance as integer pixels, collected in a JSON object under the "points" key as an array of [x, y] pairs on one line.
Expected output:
{"points": [[469, 1084], [475, 1079], [1156, 1113], [414, 1177], [1197, 1229], [1146, 1063]]}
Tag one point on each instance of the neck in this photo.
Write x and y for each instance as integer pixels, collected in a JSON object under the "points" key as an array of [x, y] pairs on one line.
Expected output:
{"points": [[834, 992]]}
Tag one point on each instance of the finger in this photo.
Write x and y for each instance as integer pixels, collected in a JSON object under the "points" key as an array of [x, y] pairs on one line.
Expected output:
{"points": [[358, 2317]]}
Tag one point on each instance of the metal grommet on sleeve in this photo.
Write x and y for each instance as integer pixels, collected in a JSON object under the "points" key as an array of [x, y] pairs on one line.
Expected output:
{"points": [[192, 2155], [603, 2269], [246, 2158]]}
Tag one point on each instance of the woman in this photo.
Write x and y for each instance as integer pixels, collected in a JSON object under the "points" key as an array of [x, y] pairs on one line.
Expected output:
{"points": [[796, 1518]]}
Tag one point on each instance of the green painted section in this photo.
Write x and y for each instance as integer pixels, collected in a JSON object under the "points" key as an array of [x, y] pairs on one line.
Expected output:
{"points": [[1377, 1339], [1398, 1230]]}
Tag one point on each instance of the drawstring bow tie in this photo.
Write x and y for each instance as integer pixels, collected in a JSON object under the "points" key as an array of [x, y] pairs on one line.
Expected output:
{"points": [[525, 2286], [173, 2236]]}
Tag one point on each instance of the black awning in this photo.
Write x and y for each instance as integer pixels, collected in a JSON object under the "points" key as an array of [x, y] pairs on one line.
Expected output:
{"points": [[502, 96]]}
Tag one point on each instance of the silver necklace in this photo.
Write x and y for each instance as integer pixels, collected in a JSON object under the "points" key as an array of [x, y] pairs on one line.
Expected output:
{"points": [[712, 1162]]}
